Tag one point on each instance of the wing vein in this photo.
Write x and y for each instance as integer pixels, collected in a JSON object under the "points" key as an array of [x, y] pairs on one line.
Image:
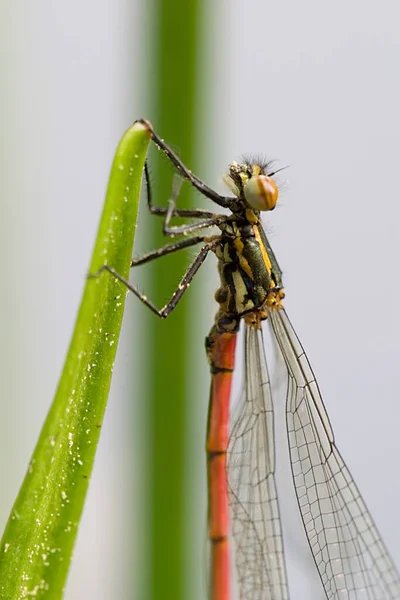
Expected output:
{"points": [[348, 551]]}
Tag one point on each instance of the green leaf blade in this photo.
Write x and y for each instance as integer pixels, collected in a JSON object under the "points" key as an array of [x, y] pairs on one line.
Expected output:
{"points": [[36, 547]]}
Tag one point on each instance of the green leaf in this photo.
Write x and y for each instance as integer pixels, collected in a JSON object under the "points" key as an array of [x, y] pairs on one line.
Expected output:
{"points": [[36, 547]]}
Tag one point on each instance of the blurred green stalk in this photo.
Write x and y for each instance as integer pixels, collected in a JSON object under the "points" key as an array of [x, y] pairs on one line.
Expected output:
{"points": [[177, 50]]}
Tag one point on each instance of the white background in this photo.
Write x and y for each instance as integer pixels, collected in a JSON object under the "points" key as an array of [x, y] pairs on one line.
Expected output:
{"points": [[315, 84]]}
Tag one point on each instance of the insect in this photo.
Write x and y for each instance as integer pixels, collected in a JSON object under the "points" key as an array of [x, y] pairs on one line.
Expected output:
{"points": [[351, 558]]}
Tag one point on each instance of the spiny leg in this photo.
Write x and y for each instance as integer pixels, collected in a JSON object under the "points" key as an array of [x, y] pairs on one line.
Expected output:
{"points": [[193, 213], [166, 310], [210, 219], [203, 188], [188, 227], [187, 243]]}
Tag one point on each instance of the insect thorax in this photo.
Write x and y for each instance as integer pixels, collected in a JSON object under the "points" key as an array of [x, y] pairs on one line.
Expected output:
{"points": [[248, 275]]}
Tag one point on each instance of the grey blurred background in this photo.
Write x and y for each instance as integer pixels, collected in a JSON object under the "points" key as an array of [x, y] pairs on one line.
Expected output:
{"points": [[315, 84]]}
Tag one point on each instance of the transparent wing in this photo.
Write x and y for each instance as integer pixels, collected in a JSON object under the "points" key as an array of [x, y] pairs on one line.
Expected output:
{"points": [[350, 555], [256, 528]]}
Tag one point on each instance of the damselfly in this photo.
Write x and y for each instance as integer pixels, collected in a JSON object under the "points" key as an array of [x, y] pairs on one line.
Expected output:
{"points": [[351, 558]]}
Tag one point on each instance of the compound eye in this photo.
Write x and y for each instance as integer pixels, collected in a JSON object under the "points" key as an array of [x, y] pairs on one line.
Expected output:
{"points": [[261, 192]]}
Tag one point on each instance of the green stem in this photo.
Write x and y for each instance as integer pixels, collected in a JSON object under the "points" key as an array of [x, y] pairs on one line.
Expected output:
{"points": [[178, 26]]}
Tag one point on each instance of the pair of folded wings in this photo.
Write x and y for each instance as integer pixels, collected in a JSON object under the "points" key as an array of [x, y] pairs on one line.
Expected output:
{"points": [[351, 558]]}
